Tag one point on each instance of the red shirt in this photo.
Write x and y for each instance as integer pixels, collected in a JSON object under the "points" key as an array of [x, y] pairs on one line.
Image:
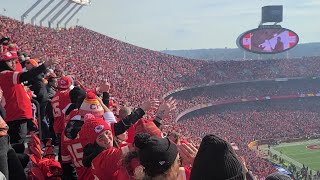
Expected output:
{"points": [[131, 134], [72, 151], [70, 116], [59, 101], [126, 174], [18, 66], [106, 165], [18, 103]]}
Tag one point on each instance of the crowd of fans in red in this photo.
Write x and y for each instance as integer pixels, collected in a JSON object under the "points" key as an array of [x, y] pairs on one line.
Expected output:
{"points": [[138, 74], [237, 91], [254, 121]]}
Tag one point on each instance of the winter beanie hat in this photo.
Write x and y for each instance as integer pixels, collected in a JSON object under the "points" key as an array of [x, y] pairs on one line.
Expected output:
{"points": [[156, 155], [91, 105], [91, 129], [147, 126], [216, 160]]}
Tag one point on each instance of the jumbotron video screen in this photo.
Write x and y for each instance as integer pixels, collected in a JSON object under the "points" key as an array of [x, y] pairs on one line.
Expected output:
{"points": [[268, 40]]}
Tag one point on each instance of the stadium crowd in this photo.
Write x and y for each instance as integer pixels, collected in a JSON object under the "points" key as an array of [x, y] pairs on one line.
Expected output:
{"points": [[237, 91], [82, 86], [250, 123]]}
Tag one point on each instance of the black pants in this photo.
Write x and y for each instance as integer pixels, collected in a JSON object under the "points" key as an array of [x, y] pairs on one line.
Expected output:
{"points": [[10, 165], [17, 131], [59, 152], [50, 120]]}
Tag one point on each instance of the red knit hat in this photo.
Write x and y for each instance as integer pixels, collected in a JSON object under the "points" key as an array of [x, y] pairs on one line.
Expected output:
{"points": [[91, 105], [147, 126], [7, 56], [64, 82], [91, 129]]}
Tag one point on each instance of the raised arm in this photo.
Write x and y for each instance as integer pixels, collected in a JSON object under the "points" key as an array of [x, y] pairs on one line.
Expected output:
{"points": [[25, 76], [124, 124]]}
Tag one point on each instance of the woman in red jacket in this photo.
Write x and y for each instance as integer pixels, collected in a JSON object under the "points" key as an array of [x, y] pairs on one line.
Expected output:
{"points": [[99, 152]]}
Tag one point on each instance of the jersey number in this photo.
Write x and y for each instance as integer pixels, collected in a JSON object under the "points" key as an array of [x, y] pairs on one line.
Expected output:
{"points": [[76, 156], [56, 110], [55, 107]]}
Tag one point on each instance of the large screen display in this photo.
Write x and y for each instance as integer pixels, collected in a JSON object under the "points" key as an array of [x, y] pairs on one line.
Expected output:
{"points": [[268, 40]]}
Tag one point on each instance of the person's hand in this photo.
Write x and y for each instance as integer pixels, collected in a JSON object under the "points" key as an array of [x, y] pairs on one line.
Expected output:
{"points": [[187, 153], [104, 86], [166, 108], [99, 99], [52, 61], [150, 105]]}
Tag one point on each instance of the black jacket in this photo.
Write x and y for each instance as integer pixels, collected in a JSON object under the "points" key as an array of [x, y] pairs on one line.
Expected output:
{"points": [[39, 88]]}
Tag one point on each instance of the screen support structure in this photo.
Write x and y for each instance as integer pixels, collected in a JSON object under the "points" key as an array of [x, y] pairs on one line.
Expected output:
{"points": [[25, 14], [66, 15], [39, 12], [60, 10], [59, 13], [50, 12], [68, 20]]}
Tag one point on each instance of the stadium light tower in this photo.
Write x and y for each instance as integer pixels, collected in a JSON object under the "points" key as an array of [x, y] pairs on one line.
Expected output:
{"points": [[25, 14]]}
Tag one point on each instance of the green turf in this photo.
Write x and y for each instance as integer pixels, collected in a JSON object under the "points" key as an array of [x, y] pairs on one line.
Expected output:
{"points": [[301, 154]]}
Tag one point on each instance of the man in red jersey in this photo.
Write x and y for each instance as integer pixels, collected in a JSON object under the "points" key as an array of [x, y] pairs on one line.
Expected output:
{"points": [[59, 101], [18, 105]]}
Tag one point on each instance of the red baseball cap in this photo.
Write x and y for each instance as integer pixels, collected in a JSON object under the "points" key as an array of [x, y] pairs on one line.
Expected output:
{"points": [[7, 56], [64, 82]]}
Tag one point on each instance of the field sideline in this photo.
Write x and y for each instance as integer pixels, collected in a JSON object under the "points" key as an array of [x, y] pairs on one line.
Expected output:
{"points": [[298, 153]]}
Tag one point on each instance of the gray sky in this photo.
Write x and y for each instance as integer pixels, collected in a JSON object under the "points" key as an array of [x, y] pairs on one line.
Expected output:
{"points": [[183, 24]]}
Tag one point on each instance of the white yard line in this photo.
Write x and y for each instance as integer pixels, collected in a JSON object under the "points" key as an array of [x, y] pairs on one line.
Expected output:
{"points": [[273, 151]]}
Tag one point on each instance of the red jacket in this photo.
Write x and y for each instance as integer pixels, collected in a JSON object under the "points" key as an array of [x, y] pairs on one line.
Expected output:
{"points": [[18, 103], [106, 165]]}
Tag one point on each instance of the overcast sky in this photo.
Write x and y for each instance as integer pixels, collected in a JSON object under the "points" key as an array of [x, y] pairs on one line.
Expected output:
{"points": [[182, 24]]}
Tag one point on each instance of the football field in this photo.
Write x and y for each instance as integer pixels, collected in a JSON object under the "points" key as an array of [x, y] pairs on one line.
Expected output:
{"points": [[307, 153]]}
